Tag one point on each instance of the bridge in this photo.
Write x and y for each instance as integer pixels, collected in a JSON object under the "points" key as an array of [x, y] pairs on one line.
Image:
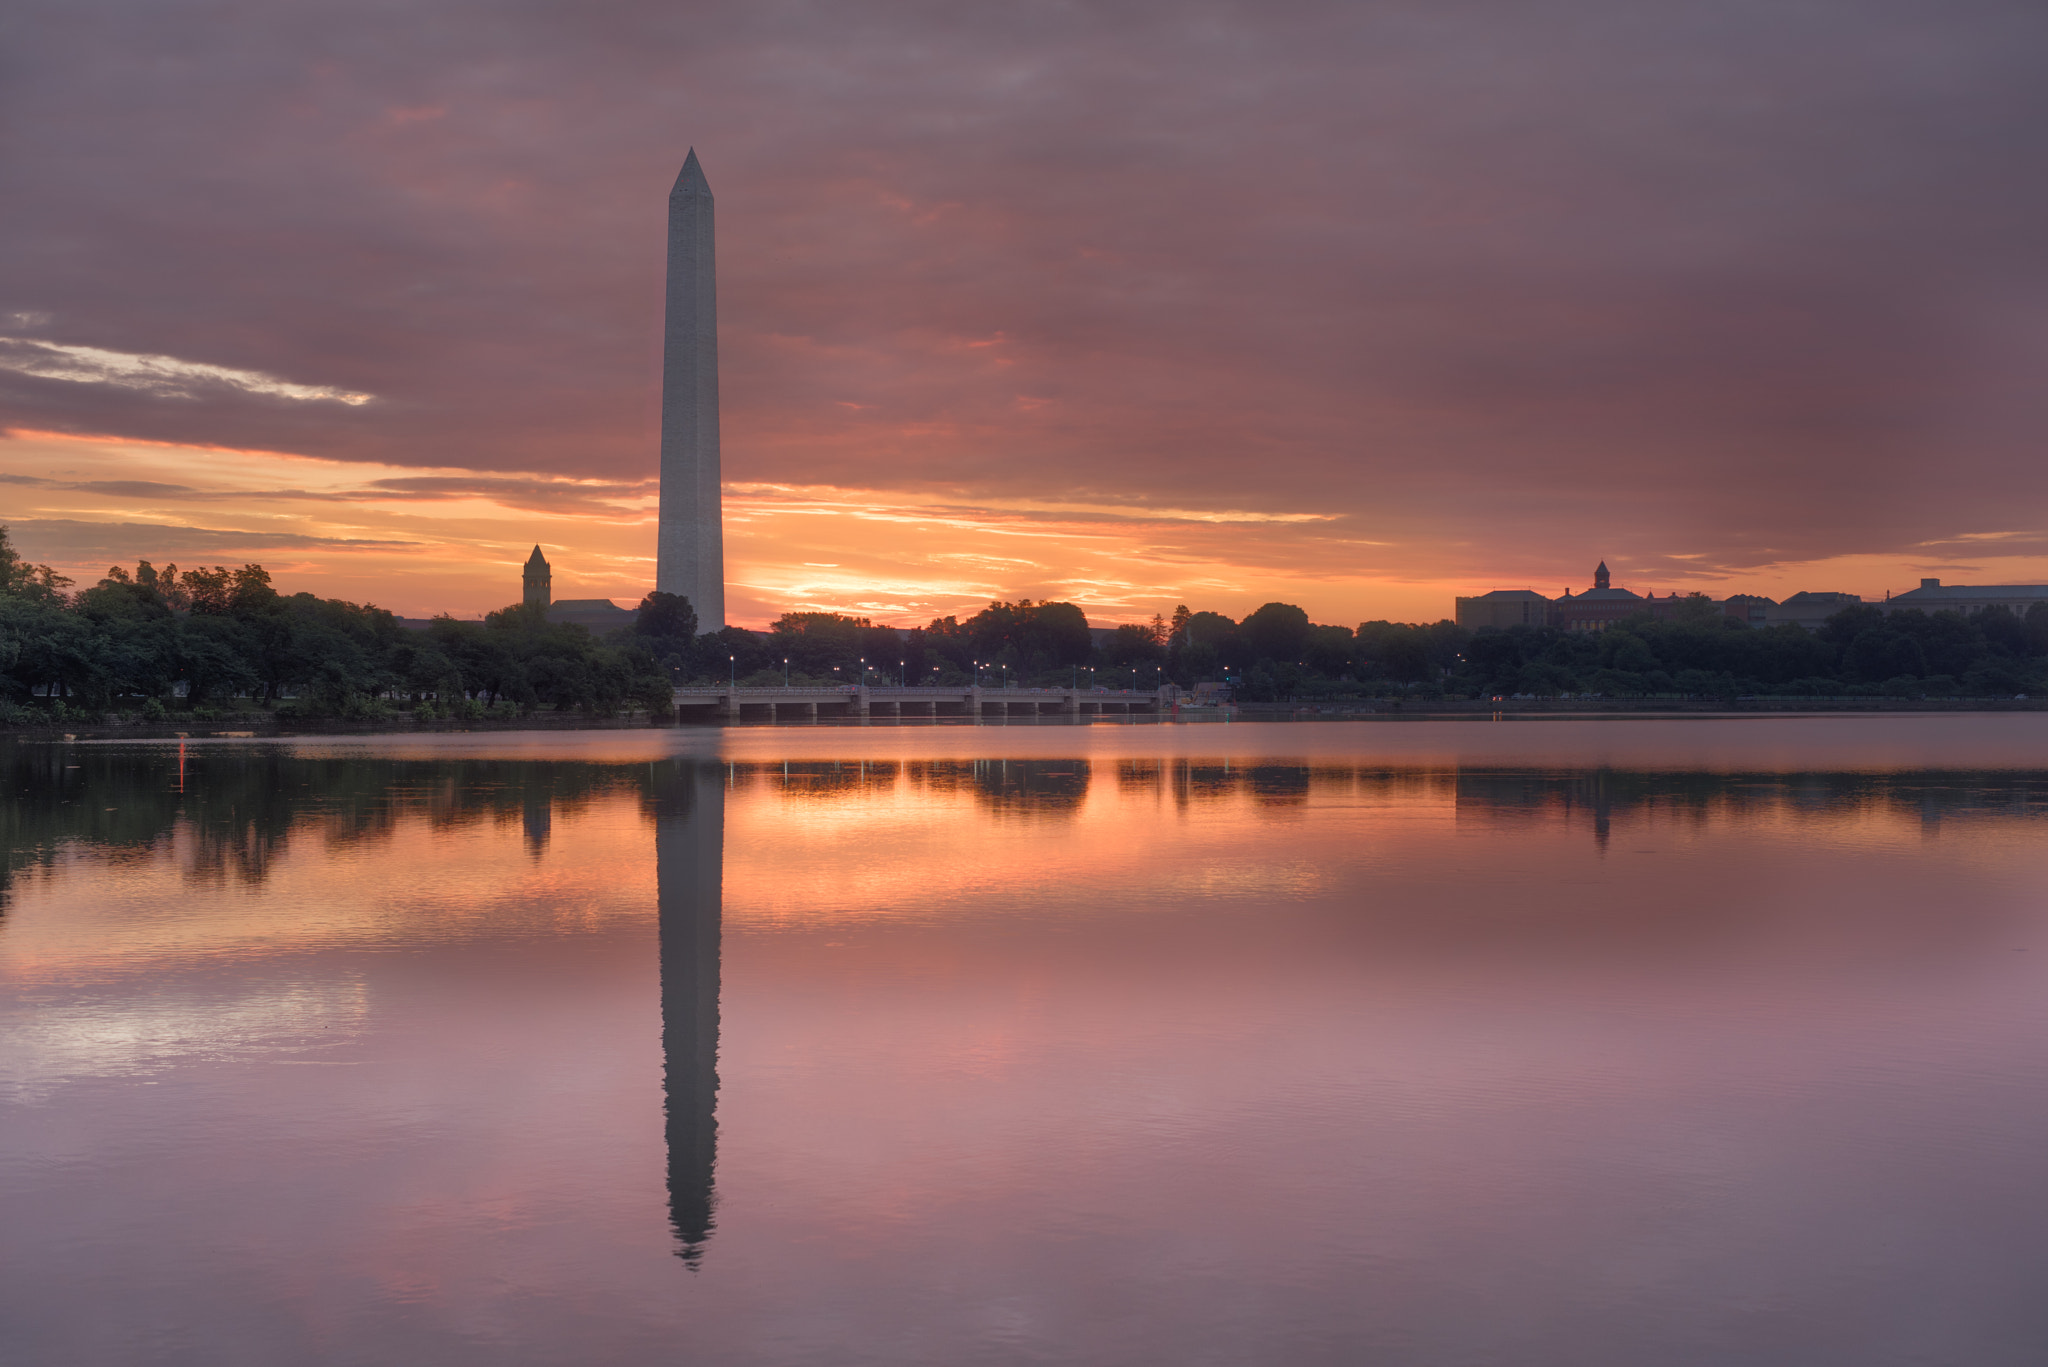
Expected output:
{"points": [[798, 703]]}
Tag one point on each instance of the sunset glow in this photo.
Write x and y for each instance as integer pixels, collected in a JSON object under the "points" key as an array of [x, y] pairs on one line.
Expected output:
{"points": [[1323, 309], [426, 540]]}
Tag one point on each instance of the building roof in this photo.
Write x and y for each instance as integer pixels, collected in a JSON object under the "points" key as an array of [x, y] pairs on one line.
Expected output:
{"points": [[1516, 595], [1934, 591]]}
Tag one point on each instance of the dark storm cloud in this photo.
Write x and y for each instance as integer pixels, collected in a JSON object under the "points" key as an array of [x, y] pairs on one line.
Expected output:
{"points": [[1742, 282]]}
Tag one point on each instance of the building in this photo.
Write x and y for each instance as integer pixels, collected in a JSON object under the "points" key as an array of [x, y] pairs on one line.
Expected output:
{"points": [[1504, 608], [1752, 610], [1809, 610], [599, 615], [1935, 596], [1603, 605], [540, 581], [690, 552], [1599, 607]]}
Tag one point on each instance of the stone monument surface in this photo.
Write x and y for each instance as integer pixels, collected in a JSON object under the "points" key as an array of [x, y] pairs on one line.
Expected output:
{"points": [[690, 556]]}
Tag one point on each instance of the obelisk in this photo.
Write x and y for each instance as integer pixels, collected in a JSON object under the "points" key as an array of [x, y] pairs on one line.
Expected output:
{"points": [[690, 555]]}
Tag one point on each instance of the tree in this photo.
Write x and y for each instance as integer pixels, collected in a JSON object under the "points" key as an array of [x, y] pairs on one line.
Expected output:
{"points": [[19, 579], [814, 643], [1277, 631], [1030, 637], [1329, 650], [666, 617], [1396, 651], [747, 650], [1132, 645], [1881, 653]]}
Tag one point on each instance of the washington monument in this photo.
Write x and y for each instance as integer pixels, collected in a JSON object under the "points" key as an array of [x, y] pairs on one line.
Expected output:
{"points": [[690, 557]]}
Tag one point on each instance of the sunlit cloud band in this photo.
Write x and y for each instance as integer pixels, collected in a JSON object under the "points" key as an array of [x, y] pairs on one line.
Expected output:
{"points": [[164, 376]]}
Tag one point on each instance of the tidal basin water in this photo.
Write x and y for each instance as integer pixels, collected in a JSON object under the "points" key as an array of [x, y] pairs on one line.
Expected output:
{"points": [[1646, 1042]]}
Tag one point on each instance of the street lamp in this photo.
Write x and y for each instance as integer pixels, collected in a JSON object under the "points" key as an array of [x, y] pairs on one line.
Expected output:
{"points": [[785, 671], [732, 671], [903, 673]]}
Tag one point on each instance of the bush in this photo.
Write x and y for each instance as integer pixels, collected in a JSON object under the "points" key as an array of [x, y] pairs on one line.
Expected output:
{"points": [[424, 713], [153, 710]]}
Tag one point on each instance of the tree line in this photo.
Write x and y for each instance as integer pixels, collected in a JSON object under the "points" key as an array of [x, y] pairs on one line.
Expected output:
{"points": [[155, 640]]}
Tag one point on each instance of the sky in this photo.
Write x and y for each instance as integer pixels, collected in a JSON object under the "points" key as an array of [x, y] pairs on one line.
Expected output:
{"points": [[1358, 306]]}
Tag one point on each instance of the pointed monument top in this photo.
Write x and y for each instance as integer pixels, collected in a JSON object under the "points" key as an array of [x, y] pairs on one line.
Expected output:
{"points": [[1600, 580], [691, 181], [536, 557]]}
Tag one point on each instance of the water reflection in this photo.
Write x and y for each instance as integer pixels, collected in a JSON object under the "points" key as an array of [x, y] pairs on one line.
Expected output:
{"points": [[236, 811], [687, 801], [370, 1039], [1034, 786], [1599, 799]]}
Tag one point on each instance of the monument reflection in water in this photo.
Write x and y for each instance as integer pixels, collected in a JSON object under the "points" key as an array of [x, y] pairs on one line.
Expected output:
{"points": [[1111, 1046], [688, 801]]}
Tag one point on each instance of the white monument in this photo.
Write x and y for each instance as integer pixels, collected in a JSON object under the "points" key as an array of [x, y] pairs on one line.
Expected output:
{"points": [[690, 556]]}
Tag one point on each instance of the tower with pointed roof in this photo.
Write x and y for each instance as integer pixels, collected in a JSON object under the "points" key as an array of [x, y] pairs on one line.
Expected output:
{"points": [[690, 554], [540, 581], [1598, 607]]}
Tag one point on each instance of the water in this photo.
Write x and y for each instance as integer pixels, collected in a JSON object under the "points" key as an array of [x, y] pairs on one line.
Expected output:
{"points": [[1436, 1043]]}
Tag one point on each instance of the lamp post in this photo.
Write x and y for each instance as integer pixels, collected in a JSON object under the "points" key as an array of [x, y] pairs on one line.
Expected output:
{"points": [[903, 673], [732, 671], [785, 671]]}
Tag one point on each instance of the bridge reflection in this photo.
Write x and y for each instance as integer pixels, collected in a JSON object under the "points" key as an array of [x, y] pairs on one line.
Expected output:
{"points": [[687, 799]]}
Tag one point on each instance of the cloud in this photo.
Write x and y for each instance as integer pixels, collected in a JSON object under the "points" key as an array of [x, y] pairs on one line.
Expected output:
{"points": [[552, 497], [118, 488], [163, 376], [70, 541], [1507, 288]]}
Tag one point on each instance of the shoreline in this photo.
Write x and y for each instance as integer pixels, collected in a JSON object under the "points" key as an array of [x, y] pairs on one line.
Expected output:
{"points": [[257, 727], [1532, 708]]}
